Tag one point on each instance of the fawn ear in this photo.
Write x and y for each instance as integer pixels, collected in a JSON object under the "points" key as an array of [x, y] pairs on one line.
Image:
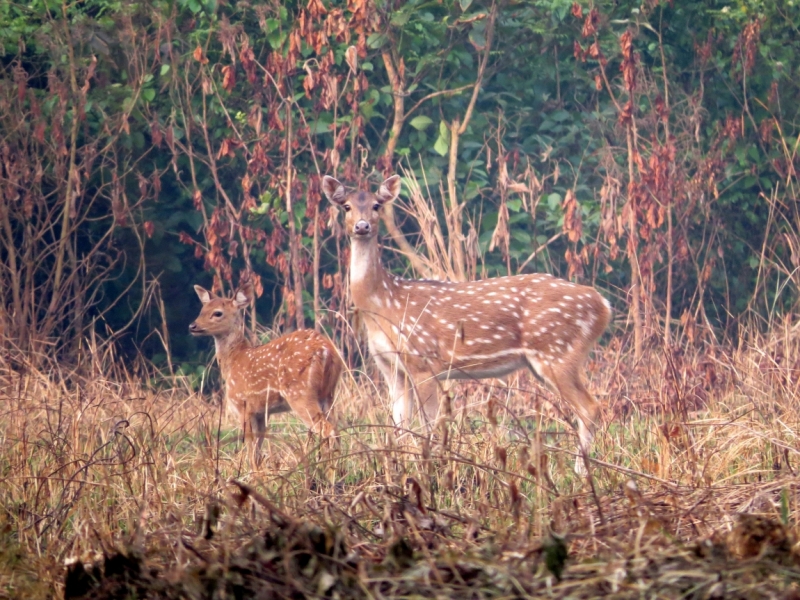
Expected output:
{"points": [[203, 294], [333, 190], [243, 295], [389, 189]]}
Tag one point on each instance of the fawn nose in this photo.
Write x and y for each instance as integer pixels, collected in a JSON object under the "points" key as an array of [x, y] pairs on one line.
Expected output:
{"points": [[193, 327], [361, 227]]}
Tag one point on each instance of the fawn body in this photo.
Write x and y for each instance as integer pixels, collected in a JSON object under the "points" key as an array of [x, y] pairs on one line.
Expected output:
{"points": [[423, 331], [296, 372]]}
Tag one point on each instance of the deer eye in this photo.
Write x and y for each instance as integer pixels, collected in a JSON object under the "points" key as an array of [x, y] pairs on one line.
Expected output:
{"points": [[347, 208], [217, 313], [376, 206]]}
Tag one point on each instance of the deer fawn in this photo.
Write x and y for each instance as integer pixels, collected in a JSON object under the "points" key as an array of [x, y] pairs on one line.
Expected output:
{"points": [[423, 331], [298, 371]]}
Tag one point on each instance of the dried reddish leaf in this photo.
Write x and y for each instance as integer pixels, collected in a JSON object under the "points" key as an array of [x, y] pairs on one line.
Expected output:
{"points": [[21, 79], [573, 223], [590, 24], [247, 59], [351, 56], [628, 65], [316, 9], [155, 133], [626, 114], [38, 132], [308, 83], [224, 149], [199, 56], [228, 77], [149, 228], [578, 52]]}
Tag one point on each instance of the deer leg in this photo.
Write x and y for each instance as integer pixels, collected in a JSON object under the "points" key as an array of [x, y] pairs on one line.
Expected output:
{"points": [[258, 426], [401, 400], [399, 392], [571, 388], [428, 401], [307, 405]]}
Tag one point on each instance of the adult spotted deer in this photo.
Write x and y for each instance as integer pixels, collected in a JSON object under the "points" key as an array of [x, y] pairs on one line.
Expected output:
{"points": [[421, 331], [297, 372]]}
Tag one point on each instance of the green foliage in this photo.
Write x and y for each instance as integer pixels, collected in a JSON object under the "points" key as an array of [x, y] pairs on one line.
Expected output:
{"points": [[190, 101]]}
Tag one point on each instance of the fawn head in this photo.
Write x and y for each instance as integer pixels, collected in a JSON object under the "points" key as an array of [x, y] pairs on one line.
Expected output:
{"points": [[362, 209], [220, 316]]}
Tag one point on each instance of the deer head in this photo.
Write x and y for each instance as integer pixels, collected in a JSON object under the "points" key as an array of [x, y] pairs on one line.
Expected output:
{"points": [[362, 209], [220, 316]]}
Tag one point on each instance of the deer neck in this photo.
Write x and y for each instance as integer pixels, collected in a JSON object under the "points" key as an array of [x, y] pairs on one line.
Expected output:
{"points": [[367, 275], [226, 346]]}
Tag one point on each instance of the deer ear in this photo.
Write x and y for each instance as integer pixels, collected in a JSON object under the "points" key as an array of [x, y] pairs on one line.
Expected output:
{"points": [[389, 189], [203, 294], [333, 190], [243, 295]]}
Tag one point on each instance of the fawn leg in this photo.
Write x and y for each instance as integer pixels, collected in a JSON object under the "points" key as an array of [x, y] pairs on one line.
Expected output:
{"points": [[306, 404], [258, 426]]}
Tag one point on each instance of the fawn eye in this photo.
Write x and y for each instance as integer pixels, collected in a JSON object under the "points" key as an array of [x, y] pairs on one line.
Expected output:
{"points": [[376, 206], [347, 208], [217, 313]]}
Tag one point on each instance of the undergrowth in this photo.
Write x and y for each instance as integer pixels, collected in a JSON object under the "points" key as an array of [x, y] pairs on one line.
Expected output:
{"points": [[113, 488]]}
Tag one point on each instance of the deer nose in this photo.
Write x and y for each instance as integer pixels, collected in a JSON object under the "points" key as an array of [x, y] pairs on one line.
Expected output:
{"points": [[193, 326], [362, 228]]}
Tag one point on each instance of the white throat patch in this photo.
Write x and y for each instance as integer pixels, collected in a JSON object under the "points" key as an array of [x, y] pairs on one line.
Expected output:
{"points": [[361, 260]]}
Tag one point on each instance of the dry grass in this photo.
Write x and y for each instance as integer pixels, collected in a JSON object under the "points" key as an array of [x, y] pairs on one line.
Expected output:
{"points": [[132, 479]]}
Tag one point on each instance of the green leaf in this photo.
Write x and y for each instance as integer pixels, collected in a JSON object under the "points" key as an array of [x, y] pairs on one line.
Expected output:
{"points": [[148, 94], [465, 4], [514, 204], [272, 25], [560, 115], [444, 131], [477, 38], [420, 122], [522, 236], [320, 127], [441, 146], [376, 40], [164, 70], [400, 18]]}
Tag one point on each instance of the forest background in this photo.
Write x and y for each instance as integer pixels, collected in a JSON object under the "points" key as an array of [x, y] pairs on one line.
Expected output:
{"points": [[648, 148]]}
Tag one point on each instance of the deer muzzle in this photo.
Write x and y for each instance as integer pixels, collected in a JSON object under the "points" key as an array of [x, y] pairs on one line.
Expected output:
{"points": [[362, 227]]}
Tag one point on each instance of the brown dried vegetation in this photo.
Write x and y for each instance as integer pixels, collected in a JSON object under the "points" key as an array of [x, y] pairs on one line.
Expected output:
{"points": [[693, 488]]}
